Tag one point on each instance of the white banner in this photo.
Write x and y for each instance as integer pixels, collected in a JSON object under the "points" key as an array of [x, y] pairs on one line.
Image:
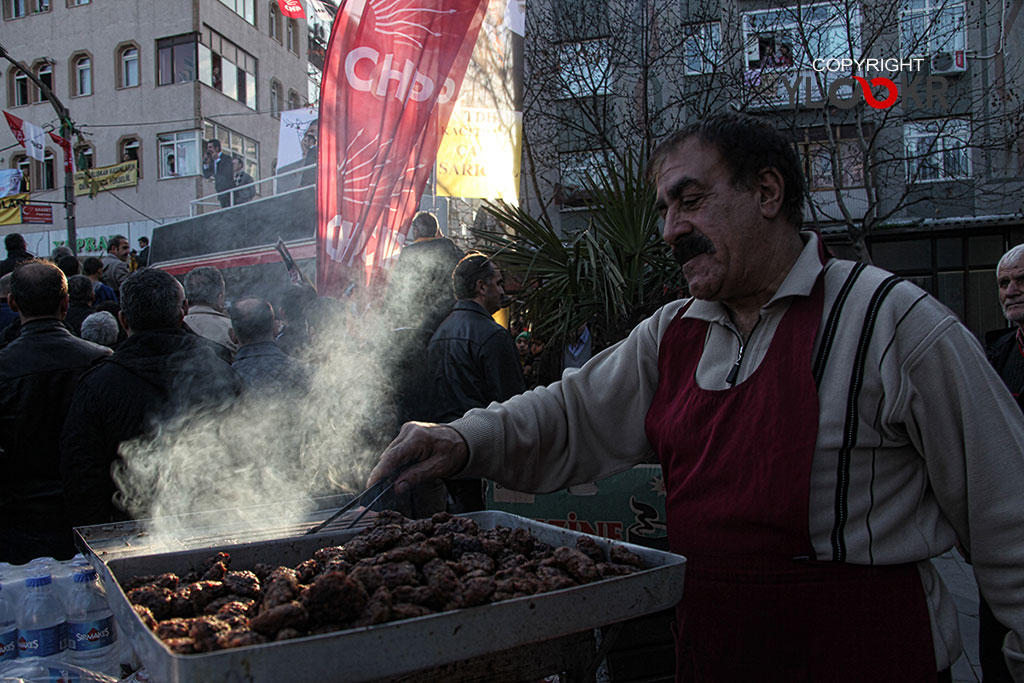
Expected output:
{"points": [[10, 182]]}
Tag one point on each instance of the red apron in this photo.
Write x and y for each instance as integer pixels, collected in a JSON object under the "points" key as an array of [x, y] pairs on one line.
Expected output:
{"points": [[737, 464]]}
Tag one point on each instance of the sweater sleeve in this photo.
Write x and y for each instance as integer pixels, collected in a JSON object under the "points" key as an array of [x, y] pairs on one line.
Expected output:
{"points": [[587, 426], [968, 428]]}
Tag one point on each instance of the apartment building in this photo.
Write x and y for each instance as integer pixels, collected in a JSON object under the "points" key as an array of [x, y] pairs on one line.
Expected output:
{"points": [[148, 81], [926, 178]]}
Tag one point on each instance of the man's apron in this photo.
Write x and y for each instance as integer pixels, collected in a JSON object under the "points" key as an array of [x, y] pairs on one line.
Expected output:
{"points": [[756, 606]]}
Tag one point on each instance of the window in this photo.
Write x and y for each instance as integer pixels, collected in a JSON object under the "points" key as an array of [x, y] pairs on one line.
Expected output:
{"points": [[41, 6], [574, 169], [274, 23], [702, 48], [293, 99], [82, 76], [14, 9], [20, 94], [77, 3], [176, 59], [180, 153], [236, 144], [129, 149], [275, 99], [84, 157], [292, 36], [24, 164], [937, 150], [128, 66], [44, 72], [584, 68], [48, 181], [243, 8], [817, 161], [227, 68], [930, 26]]}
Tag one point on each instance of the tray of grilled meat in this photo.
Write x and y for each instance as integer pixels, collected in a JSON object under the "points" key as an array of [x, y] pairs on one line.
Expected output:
{"points": [[397, 597]]}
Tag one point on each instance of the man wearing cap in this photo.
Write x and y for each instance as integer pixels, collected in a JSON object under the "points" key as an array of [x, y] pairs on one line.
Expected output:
{"points": [[824, 429]]}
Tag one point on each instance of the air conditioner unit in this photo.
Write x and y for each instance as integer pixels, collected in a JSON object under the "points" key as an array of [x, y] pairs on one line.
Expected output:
{"points": [[948, 63]]}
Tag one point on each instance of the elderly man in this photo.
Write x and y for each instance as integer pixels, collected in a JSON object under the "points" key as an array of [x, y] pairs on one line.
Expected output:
{"points": [[159, 372], [115, 262], [823, 427], [38, 372], [204, 289]]}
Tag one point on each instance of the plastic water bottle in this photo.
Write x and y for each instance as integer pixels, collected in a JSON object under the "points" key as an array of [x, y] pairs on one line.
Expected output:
{"points": [[42, 626], [49, 670], [92, 633], [8, 628]]}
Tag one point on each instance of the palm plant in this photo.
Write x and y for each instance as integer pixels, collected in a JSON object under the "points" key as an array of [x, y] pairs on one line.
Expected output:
{"points": [[611, 274]]}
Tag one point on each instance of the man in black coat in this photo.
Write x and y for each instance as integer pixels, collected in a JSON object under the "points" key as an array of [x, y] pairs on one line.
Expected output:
{"points": [[16, 253], [420, 286], [158, 372], [219, 167], [472, 360], [38, 371], [81, 295]]}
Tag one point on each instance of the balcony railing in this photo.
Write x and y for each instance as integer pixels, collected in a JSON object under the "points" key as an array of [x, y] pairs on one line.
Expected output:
{"points": [[279, 184]]}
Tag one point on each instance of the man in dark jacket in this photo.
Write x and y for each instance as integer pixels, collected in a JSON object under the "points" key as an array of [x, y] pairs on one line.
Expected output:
{"points": [[81, 295], [218, 167], [472, 360], [420, 286], [16, 253], [262, 365], [38, 371], [160, 371]]}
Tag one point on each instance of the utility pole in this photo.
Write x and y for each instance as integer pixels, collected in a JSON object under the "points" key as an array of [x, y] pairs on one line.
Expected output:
{"points": [[67, 129]]}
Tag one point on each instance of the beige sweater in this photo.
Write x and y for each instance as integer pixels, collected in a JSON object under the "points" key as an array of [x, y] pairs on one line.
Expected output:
{"points": [[936, 449]]}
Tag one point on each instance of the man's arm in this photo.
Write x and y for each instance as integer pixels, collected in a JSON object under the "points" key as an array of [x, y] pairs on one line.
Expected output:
{"points": [[85, 458], [502, 372], [971, 433]]}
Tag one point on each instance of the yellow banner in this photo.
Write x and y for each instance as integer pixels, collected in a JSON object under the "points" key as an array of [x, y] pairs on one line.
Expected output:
{"points": [[93, 180], [10, 208], [479, 154]]}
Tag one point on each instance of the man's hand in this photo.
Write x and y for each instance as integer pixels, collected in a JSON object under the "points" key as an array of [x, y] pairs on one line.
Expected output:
{"points": [[421, 452]]}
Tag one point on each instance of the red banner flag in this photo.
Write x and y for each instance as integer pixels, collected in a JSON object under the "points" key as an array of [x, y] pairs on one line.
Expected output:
{"points": [[69, 163], [390, 81], [292, 8]]}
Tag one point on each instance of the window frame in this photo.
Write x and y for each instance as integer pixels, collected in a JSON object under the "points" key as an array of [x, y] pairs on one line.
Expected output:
{"points": [[706, 37], [292, 36], [25, 164], [19, 83], [276, 98], [48, 171], [274, 29], [11, 5], [169, 142], [78, 3], [240, 75], [88, 150], [124, 143], [41, 68], [248, 9], [234, 143], [169, 45], [949, 135], [932, 12], [572, 85], [121, 62], [75, 66]]}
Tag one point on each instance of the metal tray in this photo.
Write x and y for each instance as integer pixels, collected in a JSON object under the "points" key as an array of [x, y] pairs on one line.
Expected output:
{"points": [[399, 647]]}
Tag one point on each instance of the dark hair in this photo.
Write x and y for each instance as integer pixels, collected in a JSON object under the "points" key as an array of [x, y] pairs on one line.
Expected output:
{"points": [[204, 285], [14, 242], [115, 241], [747, 146], [215, 142], [151, 299], [69, 265], [80, 289], [471, 269], [252, 318], [38, 287], [143, 240], [424, 224], [92, 265]]}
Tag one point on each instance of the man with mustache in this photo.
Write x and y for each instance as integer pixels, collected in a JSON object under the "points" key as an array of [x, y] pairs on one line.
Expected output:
{"points": [[824, 429]]}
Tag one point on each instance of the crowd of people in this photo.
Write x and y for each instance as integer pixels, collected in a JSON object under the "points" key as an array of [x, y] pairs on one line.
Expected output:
{"points": [[824, 428]]}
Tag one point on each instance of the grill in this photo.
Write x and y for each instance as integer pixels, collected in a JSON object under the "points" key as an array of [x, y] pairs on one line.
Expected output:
{"points": [[384, 651]]}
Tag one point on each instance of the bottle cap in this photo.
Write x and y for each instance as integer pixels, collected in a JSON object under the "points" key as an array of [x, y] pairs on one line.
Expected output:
{"points": [[85, 575], [36, 581]]}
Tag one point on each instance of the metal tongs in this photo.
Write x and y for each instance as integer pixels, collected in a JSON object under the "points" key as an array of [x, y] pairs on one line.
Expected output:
{"points": [[378, 491]]}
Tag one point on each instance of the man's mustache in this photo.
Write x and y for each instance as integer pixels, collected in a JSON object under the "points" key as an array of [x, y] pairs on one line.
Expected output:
{"points": [[690, 246]]}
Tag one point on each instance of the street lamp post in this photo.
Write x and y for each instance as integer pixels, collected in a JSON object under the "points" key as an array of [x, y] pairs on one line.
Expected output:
{"points": [[67, 129]]}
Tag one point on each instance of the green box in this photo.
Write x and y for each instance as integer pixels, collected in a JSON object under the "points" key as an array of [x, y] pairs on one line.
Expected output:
{"points": [[628, 506]]}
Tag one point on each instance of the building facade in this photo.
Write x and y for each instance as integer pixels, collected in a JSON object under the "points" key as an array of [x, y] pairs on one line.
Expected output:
{"points": [[925, 177], [150, 82]]}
